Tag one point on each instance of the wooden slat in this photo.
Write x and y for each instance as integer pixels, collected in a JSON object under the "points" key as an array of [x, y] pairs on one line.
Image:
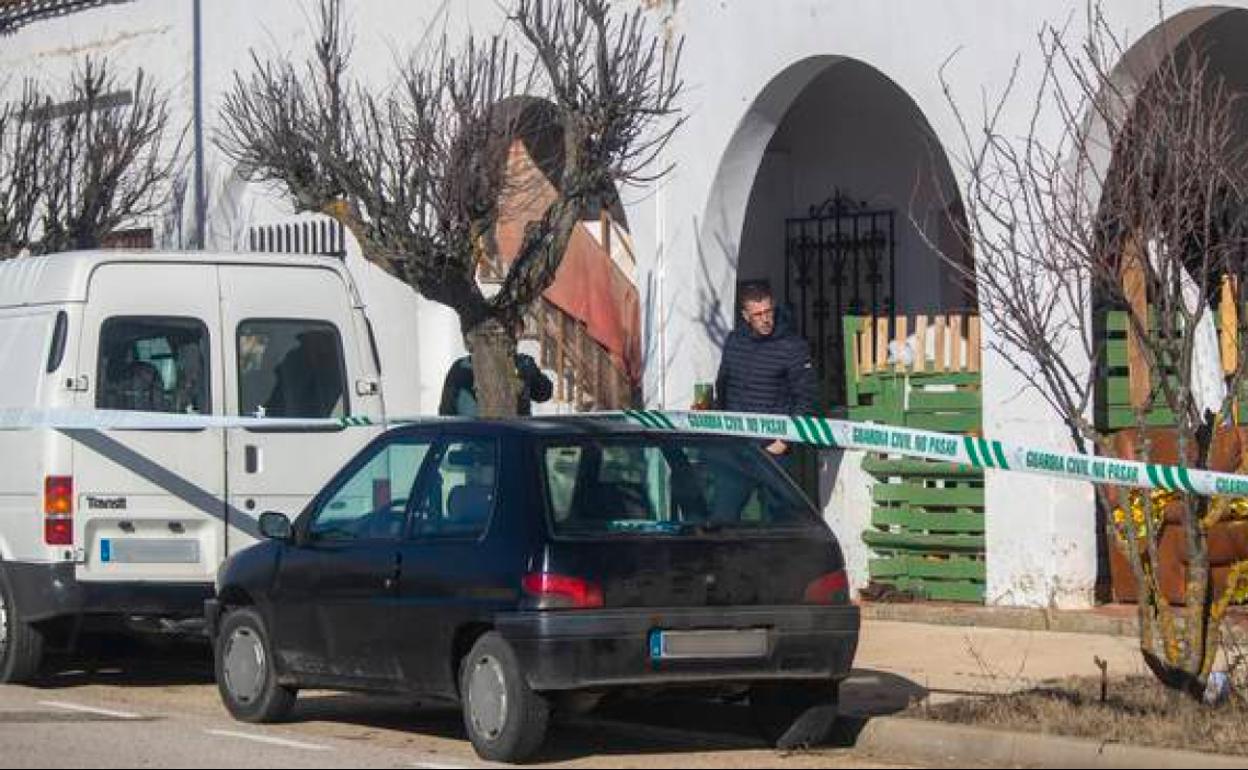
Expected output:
{"points": [[901, 334], [1135, 289], [866, 331], [920, 343], [855, 341], [1228, 334], [955, 343], [972, 344], [939, 359], [881, 343]]}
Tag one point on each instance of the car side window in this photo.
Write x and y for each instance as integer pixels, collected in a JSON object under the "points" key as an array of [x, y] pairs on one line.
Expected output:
{"points": [[456, 499], [372, 503]]}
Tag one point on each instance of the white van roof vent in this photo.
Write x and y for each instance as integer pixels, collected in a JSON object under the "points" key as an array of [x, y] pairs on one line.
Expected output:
{"points": [[320, 236]]}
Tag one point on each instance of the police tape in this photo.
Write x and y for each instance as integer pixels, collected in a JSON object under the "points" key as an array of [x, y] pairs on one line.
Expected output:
{"points": [[944, 447], [817, 431]]}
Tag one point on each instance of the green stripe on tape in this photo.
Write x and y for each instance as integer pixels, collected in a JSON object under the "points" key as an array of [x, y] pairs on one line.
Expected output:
{"points": [[641, 417], [1153, 476], [999, 453], [664, 420], [1186, 479], [1168, 472], [801, 429], [825, 431], [985, 453], [970, 450]]}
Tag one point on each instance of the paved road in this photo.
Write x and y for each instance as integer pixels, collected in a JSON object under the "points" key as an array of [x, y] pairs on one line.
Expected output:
{"points": [[159, 707]]}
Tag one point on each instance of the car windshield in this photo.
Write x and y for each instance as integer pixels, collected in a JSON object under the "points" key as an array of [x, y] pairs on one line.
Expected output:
{"points": [[667, 486]]}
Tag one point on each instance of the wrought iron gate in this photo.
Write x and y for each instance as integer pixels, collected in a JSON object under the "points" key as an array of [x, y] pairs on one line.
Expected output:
{"points": [[839, 261]]}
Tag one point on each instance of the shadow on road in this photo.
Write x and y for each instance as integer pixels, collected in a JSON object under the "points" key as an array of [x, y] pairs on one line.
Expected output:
{"points": [[128, 661], [657, 724]]}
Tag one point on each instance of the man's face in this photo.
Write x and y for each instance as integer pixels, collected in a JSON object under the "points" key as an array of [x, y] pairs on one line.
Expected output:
{"points": [[760, 315]]}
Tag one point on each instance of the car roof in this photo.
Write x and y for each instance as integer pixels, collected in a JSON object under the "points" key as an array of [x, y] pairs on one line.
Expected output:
{"points": [[540, 427]]}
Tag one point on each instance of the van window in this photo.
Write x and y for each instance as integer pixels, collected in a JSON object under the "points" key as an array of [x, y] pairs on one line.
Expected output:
{"points": [[151, 364], [23, 344], [291, 369]]}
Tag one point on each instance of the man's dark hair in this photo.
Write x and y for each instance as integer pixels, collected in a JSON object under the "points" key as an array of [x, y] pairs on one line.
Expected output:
{"points": [[753, 291]]}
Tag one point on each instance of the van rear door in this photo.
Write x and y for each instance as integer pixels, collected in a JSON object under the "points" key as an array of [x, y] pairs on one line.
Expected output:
{"points": [[292, 349], [149, 504]]}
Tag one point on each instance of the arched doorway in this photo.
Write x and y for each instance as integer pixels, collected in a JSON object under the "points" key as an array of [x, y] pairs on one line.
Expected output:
{"points": [[1149, 237], [836, 193], [852, 200]]}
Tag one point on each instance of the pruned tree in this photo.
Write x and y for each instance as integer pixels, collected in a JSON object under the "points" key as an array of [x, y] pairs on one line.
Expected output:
{"points": [[1139, 205], [418, 174], [80, 163], [23, 147]]}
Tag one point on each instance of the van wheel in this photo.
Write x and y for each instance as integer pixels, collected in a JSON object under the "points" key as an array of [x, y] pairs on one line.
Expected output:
{"points": [[21, 643], [794, 715], [246, 676], [506, 721]]}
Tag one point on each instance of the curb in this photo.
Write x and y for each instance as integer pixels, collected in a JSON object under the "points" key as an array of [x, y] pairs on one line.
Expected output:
{"points": [[1013, 618], [923, 741]]}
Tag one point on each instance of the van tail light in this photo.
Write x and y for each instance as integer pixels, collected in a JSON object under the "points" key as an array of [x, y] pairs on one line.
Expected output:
{"points": [[561, 592], [58, 510], [832, 588]]}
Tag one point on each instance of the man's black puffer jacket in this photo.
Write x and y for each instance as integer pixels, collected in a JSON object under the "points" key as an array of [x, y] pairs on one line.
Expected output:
{"points": [[771, 374]]}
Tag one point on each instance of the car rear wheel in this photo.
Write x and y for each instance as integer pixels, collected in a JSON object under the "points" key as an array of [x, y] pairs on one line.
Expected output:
{"points": [[792, 715], [246, 676], [506, 721], [21, 643]]}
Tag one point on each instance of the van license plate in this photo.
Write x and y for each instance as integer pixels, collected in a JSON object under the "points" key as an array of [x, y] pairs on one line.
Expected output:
{"points": [[708, 645], [149, 551]]}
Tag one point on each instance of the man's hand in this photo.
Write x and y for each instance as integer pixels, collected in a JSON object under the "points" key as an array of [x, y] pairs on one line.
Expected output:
{"points": [[777, 447]]}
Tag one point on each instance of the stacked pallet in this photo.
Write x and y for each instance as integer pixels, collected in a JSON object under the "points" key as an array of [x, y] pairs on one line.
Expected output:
{"points": [[927, 532]]}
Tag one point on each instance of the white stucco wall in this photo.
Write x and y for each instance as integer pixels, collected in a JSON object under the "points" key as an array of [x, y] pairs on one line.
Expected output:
{"points": [[745, 62]]}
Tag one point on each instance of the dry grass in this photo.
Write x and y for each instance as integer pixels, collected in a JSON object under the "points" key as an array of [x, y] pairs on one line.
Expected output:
{"points": [[1136, 710]]}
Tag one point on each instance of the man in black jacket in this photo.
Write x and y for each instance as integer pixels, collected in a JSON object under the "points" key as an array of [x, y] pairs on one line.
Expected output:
{"points": [[766, 366], [459, 393]]}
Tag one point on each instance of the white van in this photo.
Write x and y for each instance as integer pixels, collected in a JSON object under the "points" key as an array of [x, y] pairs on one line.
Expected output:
{"points": [[132, 524]]}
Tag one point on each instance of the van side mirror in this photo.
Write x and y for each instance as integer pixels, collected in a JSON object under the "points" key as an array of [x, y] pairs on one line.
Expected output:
{"points": [[276, 526]]}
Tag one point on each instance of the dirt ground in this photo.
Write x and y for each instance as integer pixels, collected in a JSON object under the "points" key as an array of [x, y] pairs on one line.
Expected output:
{"points": [[1135, 710]]}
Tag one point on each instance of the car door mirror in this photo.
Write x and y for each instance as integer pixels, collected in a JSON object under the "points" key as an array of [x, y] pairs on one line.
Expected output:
{"points": [[276, 526]]}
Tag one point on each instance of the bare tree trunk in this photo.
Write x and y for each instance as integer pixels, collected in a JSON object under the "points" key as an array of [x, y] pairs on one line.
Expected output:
{"points": [[493, 349]]}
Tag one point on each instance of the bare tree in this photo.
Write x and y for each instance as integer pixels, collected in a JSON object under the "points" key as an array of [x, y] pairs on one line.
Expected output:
{"points": [[23, 148], [80, 164], [1140, 205], [419, 174]]}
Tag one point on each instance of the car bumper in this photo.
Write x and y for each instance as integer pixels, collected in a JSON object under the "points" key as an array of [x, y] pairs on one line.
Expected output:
{"points": [[46, 591], [562, 650]]}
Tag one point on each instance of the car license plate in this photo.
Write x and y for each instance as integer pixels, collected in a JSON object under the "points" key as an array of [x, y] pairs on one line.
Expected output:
{"points": [[709, 645], [149, 551]]}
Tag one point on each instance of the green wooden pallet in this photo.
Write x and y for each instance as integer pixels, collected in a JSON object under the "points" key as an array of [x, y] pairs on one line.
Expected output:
{"points": [[927, 519]]}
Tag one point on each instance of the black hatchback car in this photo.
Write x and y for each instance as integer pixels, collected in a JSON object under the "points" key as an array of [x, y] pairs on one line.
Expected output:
{"points": [[517, 567]]}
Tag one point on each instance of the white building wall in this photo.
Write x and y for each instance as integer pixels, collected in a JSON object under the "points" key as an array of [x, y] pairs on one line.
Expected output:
{"points": [[745, 61]]}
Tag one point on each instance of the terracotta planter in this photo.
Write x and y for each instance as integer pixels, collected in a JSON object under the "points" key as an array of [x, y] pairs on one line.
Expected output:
{"points": [[1228, 544], [1228, 541]]}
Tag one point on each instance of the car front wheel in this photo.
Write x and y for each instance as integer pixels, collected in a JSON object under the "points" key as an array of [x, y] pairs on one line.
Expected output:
{"points": [[506, 721], [246, 676], [794, 715]]}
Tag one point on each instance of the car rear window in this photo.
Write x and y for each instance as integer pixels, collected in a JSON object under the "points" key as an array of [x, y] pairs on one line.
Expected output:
{"points": [[667, 486]]}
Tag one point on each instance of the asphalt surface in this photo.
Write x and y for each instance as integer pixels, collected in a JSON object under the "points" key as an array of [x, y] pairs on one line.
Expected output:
{"points": [[125, 704]]}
